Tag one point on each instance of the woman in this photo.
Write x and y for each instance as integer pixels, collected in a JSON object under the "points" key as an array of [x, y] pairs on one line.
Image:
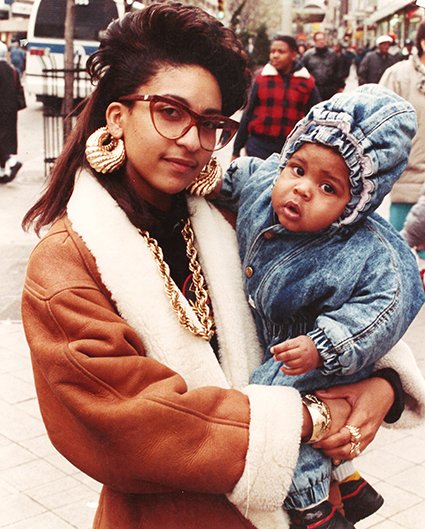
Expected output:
{"points": [[129, 386], [10, 85]]}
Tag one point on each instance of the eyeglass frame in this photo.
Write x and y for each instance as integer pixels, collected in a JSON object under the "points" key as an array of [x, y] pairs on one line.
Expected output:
{"points": [[195, 117]]}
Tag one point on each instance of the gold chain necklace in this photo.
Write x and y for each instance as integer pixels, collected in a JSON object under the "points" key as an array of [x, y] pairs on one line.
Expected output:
{"points": [[200, 306]]}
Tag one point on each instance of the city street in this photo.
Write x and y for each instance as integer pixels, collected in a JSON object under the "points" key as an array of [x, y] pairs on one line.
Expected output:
{"points": [[41, 490]]}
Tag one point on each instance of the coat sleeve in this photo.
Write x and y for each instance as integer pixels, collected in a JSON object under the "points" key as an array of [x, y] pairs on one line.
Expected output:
{"points": [[414, 227], [242, 134], [350, 338], [363, 71], [314, 98], [127, 420]]}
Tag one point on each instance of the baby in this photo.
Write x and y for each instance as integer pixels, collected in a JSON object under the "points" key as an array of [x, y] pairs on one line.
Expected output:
{"points": [[331, 284]]}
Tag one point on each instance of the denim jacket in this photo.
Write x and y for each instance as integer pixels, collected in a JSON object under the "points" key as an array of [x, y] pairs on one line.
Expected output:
{"points": [[355, 292]]}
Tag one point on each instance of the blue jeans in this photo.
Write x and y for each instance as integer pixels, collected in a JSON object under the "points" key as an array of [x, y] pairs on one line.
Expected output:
{"points": [[311, 479], [398, 214], [312, 475]]}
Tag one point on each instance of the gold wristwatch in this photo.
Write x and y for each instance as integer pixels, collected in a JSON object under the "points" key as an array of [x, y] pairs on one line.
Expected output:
{"points": [[320, 416]]}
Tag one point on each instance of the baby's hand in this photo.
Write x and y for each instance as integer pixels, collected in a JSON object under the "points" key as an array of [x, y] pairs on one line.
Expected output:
{"points": [[299, 355]]}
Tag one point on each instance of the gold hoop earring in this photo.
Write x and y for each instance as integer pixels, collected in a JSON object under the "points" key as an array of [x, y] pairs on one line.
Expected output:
{"points": [[207, 179], [104, 152]]}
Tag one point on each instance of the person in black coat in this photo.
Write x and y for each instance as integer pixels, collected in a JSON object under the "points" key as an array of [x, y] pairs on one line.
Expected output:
{"points": [[9, 86], [321, 61], [375, 63]]}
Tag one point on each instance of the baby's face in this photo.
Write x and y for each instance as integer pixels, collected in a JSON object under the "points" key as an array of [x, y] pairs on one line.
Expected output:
{"points": [[312, 190]]}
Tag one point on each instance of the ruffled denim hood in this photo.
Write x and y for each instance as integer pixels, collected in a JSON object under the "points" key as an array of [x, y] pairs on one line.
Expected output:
{"points": [[372, 128]]}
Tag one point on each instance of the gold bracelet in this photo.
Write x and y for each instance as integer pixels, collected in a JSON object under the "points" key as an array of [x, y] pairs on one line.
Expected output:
{"points": [[320, 416]]}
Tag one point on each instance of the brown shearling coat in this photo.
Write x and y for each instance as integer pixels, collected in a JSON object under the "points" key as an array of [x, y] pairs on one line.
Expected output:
{"points": [[166, 454]]}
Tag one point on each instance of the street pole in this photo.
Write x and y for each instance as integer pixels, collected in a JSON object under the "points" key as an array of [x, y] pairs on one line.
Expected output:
{"points": [[68, 66], [286, 18]]}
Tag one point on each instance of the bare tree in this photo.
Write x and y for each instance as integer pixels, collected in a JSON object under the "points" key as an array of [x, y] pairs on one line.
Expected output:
{"points": [[252, 14]]}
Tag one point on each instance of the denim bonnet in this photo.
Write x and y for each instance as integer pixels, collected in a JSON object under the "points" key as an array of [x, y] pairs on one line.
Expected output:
{"points": [[372, 128]]}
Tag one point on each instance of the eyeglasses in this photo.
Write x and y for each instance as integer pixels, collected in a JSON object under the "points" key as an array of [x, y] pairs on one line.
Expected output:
{"points": [[172, 120]]}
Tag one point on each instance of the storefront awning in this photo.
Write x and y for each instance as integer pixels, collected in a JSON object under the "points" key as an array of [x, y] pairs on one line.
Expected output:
{"points": [[388, 10], [14, 25]]}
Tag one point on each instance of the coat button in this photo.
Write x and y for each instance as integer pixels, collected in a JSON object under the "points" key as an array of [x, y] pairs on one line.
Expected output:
{"points": [[268, 235], [249, 271]]}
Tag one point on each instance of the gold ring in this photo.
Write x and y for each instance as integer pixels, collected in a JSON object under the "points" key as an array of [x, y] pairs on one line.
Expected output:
{"points": [[355, 448], [355, 434]]}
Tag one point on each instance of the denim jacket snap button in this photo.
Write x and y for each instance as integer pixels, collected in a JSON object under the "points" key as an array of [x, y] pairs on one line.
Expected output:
{"points": [[249, 271]]}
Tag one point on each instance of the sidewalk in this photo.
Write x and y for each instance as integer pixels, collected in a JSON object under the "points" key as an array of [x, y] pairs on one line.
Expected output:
{"points": [[39, 489]]}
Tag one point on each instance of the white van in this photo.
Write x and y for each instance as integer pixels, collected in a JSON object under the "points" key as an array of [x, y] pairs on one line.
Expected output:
{"points": [[46, 44]]}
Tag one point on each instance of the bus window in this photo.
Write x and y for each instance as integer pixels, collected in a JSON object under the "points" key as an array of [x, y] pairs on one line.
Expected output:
{"points": [[90, 18], [46, 44]]}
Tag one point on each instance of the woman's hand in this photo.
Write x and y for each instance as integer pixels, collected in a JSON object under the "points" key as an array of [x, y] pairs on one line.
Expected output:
{"points": [[370, 401]]}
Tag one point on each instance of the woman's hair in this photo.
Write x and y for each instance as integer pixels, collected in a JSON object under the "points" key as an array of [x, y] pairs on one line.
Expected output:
{"points": [[420, 35], [133, 50]]}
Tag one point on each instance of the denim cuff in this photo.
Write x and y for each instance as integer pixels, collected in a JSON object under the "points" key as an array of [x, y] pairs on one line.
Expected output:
{"points": [[326, 351], [303, 499]]}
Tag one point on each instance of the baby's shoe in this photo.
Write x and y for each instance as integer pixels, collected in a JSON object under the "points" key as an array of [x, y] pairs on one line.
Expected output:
{"points": [[360, 499], [322, 516]]}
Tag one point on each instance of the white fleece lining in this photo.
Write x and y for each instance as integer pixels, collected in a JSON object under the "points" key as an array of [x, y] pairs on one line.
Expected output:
{"points": [[130, 273], [226, 291], [270, 70], [273, 420]]}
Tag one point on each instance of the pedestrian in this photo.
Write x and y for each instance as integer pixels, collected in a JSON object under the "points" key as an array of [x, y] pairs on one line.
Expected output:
{"points": [[374, 63], [360, 54], [414, 231], [344, 62], [302, 48], [407, 78], [394, 48], [409, 49], [282, 93], [133, 307], [322, 63], [17, 56], [9, 89], [307, 230]]}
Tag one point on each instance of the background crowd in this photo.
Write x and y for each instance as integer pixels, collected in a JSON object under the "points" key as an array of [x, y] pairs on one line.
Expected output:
{"points": [[299, 74]]}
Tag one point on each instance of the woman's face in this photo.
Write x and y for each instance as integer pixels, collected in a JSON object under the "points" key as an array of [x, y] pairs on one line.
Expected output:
{"points": [[157, 167]]}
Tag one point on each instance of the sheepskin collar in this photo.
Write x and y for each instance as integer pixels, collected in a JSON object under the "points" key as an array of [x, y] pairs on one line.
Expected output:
{"points": [[129, 271]]}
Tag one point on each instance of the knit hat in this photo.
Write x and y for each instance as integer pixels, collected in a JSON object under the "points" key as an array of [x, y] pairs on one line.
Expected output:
{"points": [[384, 38], [372, 128]]}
